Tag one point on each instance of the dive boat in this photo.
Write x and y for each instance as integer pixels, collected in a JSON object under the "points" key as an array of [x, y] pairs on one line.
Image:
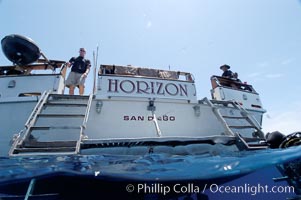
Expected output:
{"points": [[131, 109], [134, 123]]}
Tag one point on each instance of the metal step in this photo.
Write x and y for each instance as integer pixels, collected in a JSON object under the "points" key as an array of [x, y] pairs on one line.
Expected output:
{"points": [[221, 102], [66, 97], [33, 147], [258, 145], [251, 144], [234, 117], [49, 134], [46, 149], [35, 144], [55, 153], [61, 115], [247, 139], [242, 127], [59, 121], [53, 127], [62, 109], [66, 104]]}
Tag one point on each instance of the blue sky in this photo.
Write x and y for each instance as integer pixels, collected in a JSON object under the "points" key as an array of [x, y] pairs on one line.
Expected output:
{"points": [[259, 39]]}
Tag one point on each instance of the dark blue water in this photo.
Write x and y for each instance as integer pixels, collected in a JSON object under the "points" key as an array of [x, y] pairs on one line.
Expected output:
{"points": [[226, 175]]}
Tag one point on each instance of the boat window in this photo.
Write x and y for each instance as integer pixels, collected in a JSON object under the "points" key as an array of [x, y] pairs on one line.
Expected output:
{"points": [[29, 94], [146, 72], [10, 72], [2, 72], [125, 70], [169, 74], [106, 69]]}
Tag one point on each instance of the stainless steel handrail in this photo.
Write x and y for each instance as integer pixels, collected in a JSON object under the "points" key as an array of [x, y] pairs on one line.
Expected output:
{"points": [[37, 108], [87, 113]]}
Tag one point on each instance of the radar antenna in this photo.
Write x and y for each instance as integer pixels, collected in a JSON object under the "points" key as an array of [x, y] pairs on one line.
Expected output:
{"points": [[22, 51]]}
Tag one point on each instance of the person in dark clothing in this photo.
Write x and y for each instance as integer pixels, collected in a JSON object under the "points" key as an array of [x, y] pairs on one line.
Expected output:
{"points": [[227, 73], [79, 72], [235, 77]]}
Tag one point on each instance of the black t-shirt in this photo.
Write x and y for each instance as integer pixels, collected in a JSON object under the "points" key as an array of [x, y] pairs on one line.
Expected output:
{"points": [[228, 74], [79, 64]]}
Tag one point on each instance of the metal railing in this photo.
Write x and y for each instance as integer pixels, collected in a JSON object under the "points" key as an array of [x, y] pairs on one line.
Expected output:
{"points": [[220, 118], [87, 113], [228, 130], [37, 108]]}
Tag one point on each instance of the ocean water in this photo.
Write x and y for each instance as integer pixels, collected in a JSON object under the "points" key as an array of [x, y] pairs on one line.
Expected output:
{"points": [[263, 174]]}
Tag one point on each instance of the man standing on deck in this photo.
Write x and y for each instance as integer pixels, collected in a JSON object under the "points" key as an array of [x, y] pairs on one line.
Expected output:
{"points": [[79, 72], [227, 73]]}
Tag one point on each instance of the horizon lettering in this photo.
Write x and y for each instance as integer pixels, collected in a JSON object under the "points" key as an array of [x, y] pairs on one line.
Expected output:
{"points": [[144, 87]]}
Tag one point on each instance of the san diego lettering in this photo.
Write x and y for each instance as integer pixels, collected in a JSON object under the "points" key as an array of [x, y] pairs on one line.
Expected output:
{"points": [[148, 118]]}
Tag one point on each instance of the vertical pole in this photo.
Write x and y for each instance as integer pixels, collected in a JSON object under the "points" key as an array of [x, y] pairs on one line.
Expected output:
{"points": [[30, 188], [95, 57], [94, 72]]}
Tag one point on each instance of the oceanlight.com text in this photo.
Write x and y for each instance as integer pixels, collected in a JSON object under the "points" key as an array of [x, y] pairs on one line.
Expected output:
{"points": [[191, 188], [249, 189]]}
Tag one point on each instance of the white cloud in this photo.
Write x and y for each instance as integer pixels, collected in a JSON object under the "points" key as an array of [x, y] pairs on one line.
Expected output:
{"points": [[148, 21], [274, 75], [287, 61], [263, 64], [262, 75], [149, 24], [254, 75]]}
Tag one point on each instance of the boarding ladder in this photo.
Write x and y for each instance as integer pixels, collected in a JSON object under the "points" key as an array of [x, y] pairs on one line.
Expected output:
{"points": [[55, 126], [247, 121]]}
